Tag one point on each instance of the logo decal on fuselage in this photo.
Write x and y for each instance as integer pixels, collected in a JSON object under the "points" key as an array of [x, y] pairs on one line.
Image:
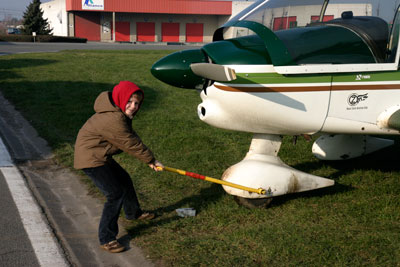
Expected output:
{"points": [[354, 99], [360, 77]]}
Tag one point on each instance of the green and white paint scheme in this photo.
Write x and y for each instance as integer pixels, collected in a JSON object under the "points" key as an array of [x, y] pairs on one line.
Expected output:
{"points": [[336, 77]]}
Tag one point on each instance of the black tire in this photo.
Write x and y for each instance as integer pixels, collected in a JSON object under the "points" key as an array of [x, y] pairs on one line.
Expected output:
{"points": [[253, 203]]}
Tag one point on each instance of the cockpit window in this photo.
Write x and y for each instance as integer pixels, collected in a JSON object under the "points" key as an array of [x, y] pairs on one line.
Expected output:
{"points": [[360, 30], [282, 14], [285, 14], [394, 39]]}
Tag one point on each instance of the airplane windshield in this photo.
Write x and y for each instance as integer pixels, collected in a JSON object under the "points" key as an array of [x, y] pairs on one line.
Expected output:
{"points": [[285, 14], [359, 30]]}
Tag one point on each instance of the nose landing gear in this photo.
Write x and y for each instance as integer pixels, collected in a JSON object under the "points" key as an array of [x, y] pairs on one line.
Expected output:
{"points": [[262, 168]]}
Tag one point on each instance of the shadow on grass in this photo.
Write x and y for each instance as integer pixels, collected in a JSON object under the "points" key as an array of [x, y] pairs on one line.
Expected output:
{"points": [[384, 160], [6, 66], [19, 63], [332, 190], [200, 201], [6, 74]]}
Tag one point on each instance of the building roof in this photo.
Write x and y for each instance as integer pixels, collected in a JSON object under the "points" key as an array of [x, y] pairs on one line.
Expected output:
{"points": [[199, 7]]}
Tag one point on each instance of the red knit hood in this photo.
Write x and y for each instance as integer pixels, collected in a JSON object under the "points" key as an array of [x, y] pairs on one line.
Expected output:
{"points": [[122, 92]]}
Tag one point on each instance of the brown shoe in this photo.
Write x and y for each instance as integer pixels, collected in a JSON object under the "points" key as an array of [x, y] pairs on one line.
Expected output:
{"points": [[113, 247], [146, 216]]}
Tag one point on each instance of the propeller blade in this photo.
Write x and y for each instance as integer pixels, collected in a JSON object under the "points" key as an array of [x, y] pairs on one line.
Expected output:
{"points": [[213, 72]]}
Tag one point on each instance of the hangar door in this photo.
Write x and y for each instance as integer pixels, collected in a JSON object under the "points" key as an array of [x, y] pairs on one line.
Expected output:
{"points": [[87, 25], [122, 31], [194, 32], [145, 31], [170, 32]]}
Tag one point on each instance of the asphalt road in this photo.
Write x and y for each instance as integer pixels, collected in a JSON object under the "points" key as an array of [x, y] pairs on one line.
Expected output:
{"points": [[7, 48], [15, 247]]}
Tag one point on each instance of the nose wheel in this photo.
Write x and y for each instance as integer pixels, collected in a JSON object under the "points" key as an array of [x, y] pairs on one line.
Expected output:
{"points": [[252, 203]]}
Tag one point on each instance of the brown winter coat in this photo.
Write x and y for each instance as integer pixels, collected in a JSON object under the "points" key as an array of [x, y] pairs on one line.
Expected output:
{"points": [[108, 132]]}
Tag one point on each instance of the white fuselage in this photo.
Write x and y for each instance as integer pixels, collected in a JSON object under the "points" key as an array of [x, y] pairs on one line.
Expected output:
{"points": [[349, 104]]}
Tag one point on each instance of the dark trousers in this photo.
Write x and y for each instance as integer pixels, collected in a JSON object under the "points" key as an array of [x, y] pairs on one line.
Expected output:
{"points": [[116, 184]]}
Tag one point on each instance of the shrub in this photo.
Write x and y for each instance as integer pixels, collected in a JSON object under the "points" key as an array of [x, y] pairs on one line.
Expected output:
{"points": [[41, 38], [59, 39], [16, 38]]}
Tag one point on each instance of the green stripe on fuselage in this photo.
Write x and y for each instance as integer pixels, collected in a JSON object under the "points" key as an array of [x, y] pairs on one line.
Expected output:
{"points": [[382, 76], [275, 78]]}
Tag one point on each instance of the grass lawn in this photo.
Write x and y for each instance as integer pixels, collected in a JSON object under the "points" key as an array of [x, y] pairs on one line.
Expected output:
{"points": [[354, 223]]}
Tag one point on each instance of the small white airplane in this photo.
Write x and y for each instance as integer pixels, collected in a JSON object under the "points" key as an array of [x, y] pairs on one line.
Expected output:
{"points": [[287, 67]]}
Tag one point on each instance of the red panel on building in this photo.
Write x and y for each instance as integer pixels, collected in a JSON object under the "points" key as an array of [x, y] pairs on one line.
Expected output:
{"points": [[145, 31], [283, 23], [122, 31], [194, 32], [326, 18], [170, 32], [200, 7], [87, 25]]}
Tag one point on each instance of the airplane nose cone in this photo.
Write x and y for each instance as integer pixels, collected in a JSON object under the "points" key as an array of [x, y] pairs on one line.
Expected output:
{"points": [[175, 69]]}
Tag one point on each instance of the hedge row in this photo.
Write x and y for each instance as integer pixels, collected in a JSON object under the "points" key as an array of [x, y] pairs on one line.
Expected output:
{"points": [[40, 38]]}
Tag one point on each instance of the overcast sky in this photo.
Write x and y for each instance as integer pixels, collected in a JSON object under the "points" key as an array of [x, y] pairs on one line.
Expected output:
{"points": [[14, 8]]}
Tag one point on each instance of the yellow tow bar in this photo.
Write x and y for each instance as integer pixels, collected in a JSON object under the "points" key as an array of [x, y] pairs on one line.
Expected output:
{"points": [[213, 180]]}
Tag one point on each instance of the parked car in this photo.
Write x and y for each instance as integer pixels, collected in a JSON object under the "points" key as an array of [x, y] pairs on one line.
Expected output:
{"points": [[13, 31]]}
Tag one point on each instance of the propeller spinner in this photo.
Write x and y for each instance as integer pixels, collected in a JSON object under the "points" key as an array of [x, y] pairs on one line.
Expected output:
{"points": [[190, 69]]}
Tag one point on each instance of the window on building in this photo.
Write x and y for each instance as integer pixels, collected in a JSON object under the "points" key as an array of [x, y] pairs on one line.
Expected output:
{"points": [[283, 23]]}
